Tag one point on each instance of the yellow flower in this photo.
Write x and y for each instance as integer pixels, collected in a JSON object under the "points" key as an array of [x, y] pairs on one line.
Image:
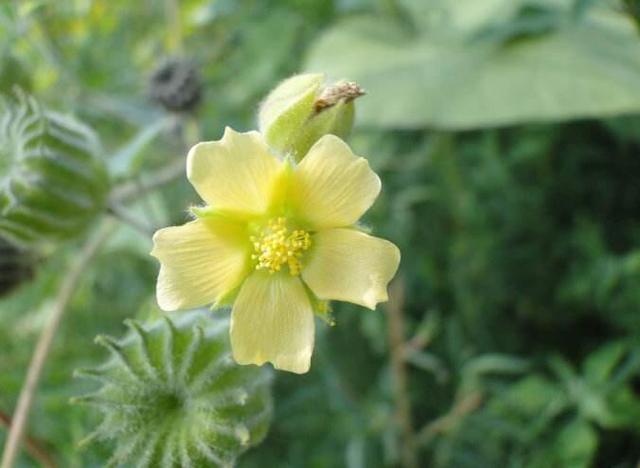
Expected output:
{"points": [[278, 240]]}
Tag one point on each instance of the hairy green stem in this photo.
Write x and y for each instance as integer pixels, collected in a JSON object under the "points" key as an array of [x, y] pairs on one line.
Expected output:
{"points": [[43, 347]]}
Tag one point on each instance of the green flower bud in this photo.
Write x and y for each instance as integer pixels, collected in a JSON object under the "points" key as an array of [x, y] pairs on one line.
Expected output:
{"points": [[172, 396], [301, 110], [52, 183]]}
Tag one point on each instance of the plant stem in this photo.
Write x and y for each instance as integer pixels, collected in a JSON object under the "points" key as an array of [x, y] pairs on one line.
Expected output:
{"points": [[35, 449], [130, 219], [154, 180], [43, 347], [399, 372], [174, 25], [461, 409]]}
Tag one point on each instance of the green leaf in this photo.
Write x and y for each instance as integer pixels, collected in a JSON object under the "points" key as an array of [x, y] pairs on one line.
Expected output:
{"points": [[600, 364], [585, 68], [531, 396], [492, 363], [127, 157], [576, 445]]}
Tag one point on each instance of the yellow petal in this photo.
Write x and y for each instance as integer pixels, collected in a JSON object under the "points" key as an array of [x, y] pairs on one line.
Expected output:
{"points": [[332, 187], [272, 320], [349, 265], [234, 174], [200, 262]]}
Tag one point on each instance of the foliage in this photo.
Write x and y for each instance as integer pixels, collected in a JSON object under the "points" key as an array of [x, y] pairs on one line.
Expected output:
{"points": [[506, 136], [540, 61]]}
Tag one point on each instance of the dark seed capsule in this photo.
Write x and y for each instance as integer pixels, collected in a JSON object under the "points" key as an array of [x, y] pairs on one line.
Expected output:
{"points": [[176, 85]]}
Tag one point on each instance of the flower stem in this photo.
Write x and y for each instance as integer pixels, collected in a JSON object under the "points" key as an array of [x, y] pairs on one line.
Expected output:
{"points": [[153, 181], [399, 373], [129, 219], [43, 347], [35, 448]]}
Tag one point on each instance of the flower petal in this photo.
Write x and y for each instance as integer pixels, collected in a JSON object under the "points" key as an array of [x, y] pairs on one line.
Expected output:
{"points": [[272, 320], [200, 261], [349, 265], [332, 187], [234, 174]]}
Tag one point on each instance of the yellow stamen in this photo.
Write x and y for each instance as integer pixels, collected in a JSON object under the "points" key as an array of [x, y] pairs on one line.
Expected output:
{"points": [[277, 246]]}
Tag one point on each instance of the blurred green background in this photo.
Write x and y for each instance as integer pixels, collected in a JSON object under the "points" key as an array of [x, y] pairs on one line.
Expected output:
{"points": [[507, 136]]}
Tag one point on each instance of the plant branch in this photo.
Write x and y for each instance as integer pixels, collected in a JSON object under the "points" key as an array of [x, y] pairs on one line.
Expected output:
{"points": [[43, 347], [130, 219], [172, 12], [149, 183], [445, 422], [395, 322], [35, 449]]}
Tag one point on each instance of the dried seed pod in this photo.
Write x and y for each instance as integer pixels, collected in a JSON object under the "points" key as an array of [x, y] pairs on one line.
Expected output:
{"points": [[172, 396], [16, 266], [176, 85], [342, 91], [52, 181]]}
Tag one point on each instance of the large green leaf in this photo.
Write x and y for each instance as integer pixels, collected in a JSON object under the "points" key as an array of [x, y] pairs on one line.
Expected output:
{"points": [[555, 67]]}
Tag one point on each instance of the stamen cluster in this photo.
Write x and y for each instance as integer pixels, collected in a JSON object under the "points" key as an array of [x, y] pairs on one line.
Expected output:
{"points": [[277, 246]]}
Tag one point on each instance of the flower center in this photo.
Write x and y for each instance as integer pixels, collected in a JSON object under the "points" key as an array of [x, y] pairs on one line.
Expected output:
{"points": [[277, 245]]}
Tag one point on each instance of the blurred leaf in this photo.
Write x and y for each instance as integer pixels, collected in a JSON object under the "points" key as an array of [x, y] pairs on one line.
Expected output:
{"points": [[599, 365], [588, 68], [128, 157], [127, 110], [530, 396], [576, 445], [13, 73], [493, 364], [430, 363]]}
